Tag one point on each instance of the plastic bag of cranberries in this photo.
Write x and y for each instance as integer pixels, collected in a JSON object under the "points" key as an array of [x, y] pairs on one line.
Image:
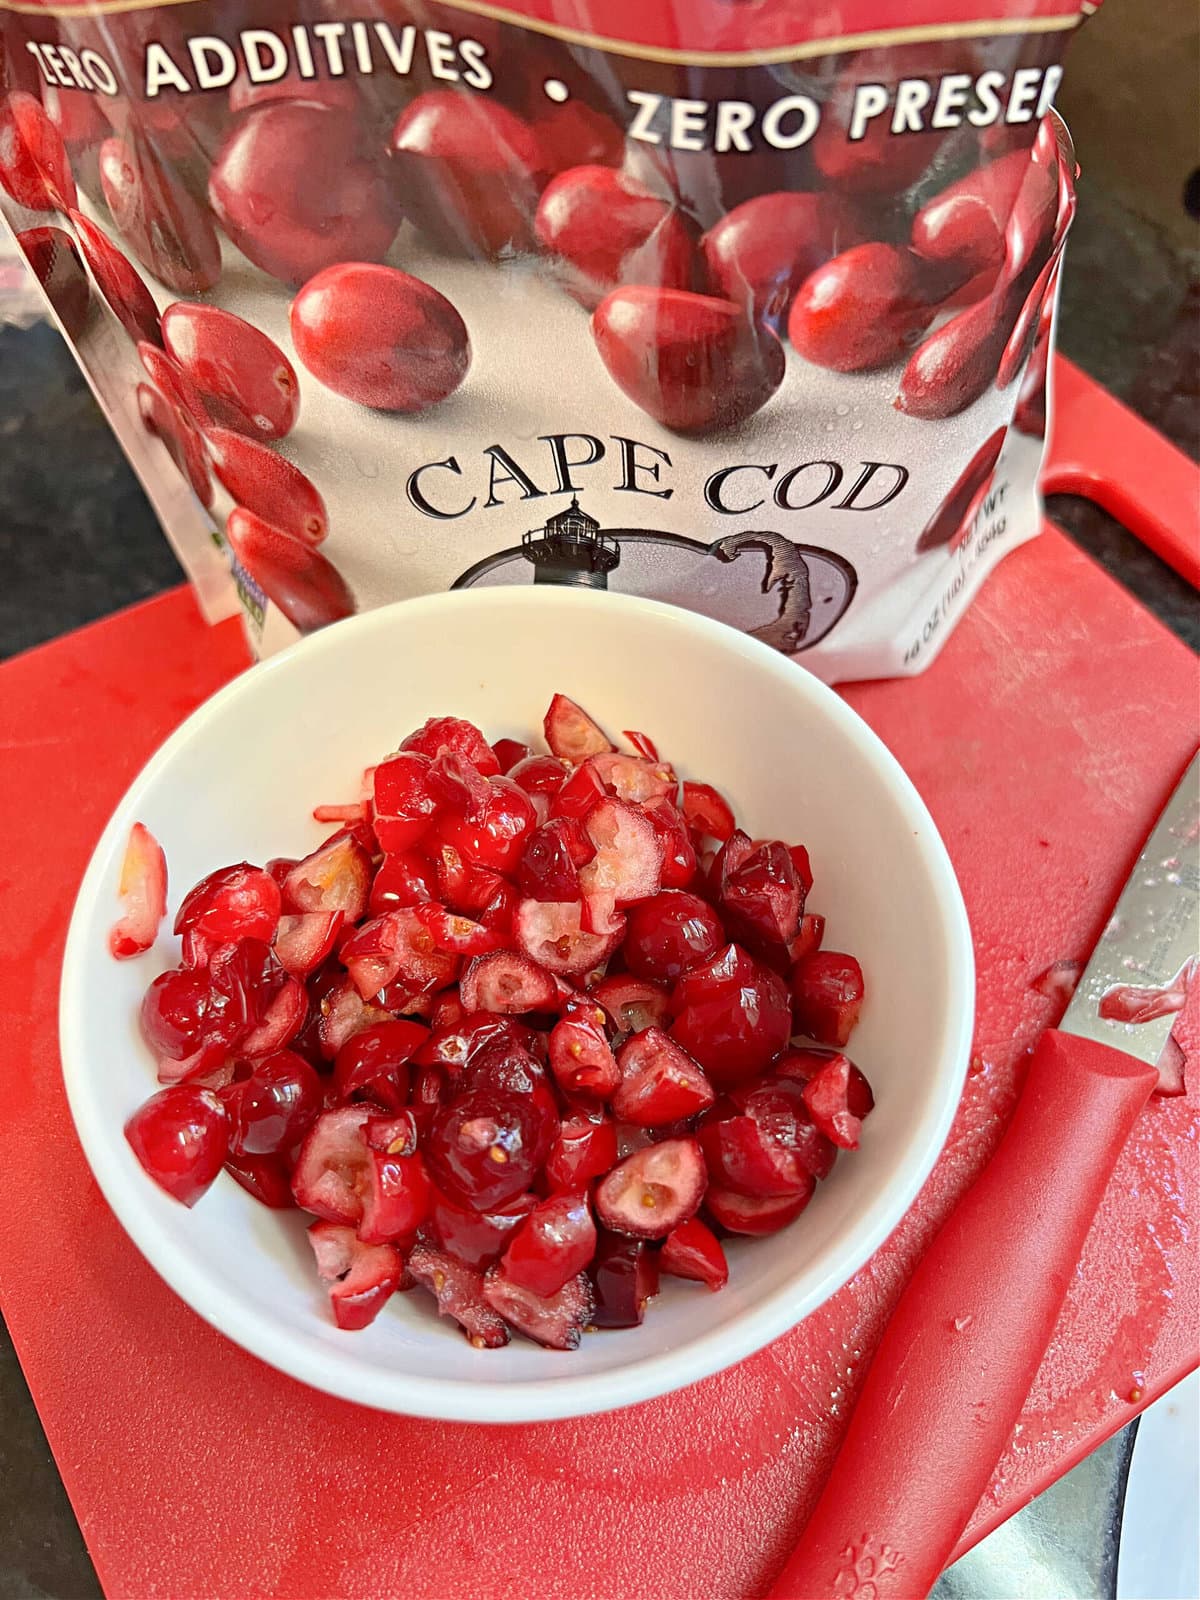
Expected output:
{"points": [[715, 303], [524, 1032]]}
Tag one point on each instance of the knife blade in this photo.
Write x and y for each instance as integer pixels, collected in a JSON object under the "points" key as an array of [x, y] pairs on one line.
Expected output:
{"points": [[961, 1349], [1136, 980]]}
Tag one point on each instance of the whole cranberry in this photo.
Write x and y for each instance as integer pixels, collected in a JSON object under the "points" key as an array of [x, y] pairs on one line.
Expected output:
{"points": [[181, 1138], [732, 1014], [669, 933], [164, 225], [692, 362], [481, 1148], [469, 170], [245, 380], [34, 168], [380, 337], [866, 307], [295, 193], [759, 254], [274, 1107], [55, 264], [303, 583], [605, 231], [118, 281]]}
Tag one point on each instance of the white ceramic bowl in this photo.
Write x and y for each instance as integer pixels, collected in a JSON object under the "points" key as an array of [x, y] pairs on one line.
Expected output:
{"points": [[237, 781]]}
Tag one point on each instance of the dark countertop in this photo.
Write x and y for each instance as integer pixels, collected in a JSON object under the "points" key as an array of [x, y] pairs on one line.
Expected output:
{"points": [[79, 540]]}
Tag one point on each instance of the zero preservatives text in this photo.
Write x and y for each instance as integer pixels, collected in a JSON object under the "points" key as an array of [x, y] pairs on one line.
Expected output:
{"points": [[207, 62]]}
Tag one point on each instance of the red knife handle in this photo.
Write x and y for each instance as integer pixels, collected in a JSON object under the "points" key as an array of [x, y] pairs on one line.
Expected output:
{"points": [[959, 1354]]}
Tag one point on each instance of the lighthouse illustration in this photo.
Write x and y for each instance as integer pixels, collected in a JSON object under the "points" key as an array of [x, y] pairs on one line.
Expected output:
{"points": [[571, 549], [787, 594]]}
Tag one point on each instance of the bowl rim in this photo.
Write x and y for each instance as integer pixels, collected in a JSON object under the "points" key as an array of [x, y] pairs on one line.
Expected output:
{"points": [[486, 1399]]}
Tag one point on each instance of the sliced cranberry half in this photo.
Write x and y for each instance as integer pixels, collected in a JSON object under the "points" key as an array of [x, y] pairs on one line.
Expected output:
{"points": [[556, 1321], [754, 1214], [653, 1190], [660, 1082], [331, 1173], [585, 1147], [477, 1238]]}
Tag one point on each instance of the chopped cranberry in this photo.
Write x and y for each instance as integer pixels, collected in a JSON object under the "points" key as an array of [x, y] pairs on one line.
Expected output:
{"points": [[173, 1013], [754, 1214], [244, 979], [143, 889], [624, 1274], [373, 1064], [285, 1015], [571, 733], [394, 1135], [679, 854], [461, 738], [582, 791], [643, 744], [496, 839], [761, 899], [331, 1174], [405, 804], [633, 778], [553, 935], [396, 946], [336, 877], [707, 814], [632, 1003], [628, 862], [482, 1148], [510, 752], [669, 933], [240, 902], [827, 996], [732, 1014], [454, 1044], [653, 1190], [405, 878], [454, 934], [181, 1137], [509, 1069], [693, 1251], [801, 1066], [305, 939], [660, 1083], [553, 1245], [556, 1321], [458, 1290], [585, 1148], [274, 1107], [838, 1097], [765, 1143], [267, 1178], [548, 869], [808, 938], [539, 775], [581, 1059], [398, 1199], [342, 1014], [508, 982], [428, 1095], [477, 1238], [362, 1277]]}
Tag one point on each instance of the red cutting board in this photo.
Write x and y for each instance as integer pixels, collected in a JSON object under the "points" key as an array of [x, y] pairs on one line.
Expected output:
{"points": [[1045, 739]]}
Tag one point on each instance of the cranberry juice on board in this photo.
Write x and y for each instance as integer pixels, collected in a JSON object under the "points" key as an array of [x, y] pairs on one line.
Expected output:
{"points": [[743, 307]]}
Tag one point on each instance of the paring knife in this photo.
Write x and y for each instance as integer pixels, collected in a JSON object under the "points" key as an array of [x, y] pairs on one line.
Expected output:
{"points": [[959, 1354]]}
